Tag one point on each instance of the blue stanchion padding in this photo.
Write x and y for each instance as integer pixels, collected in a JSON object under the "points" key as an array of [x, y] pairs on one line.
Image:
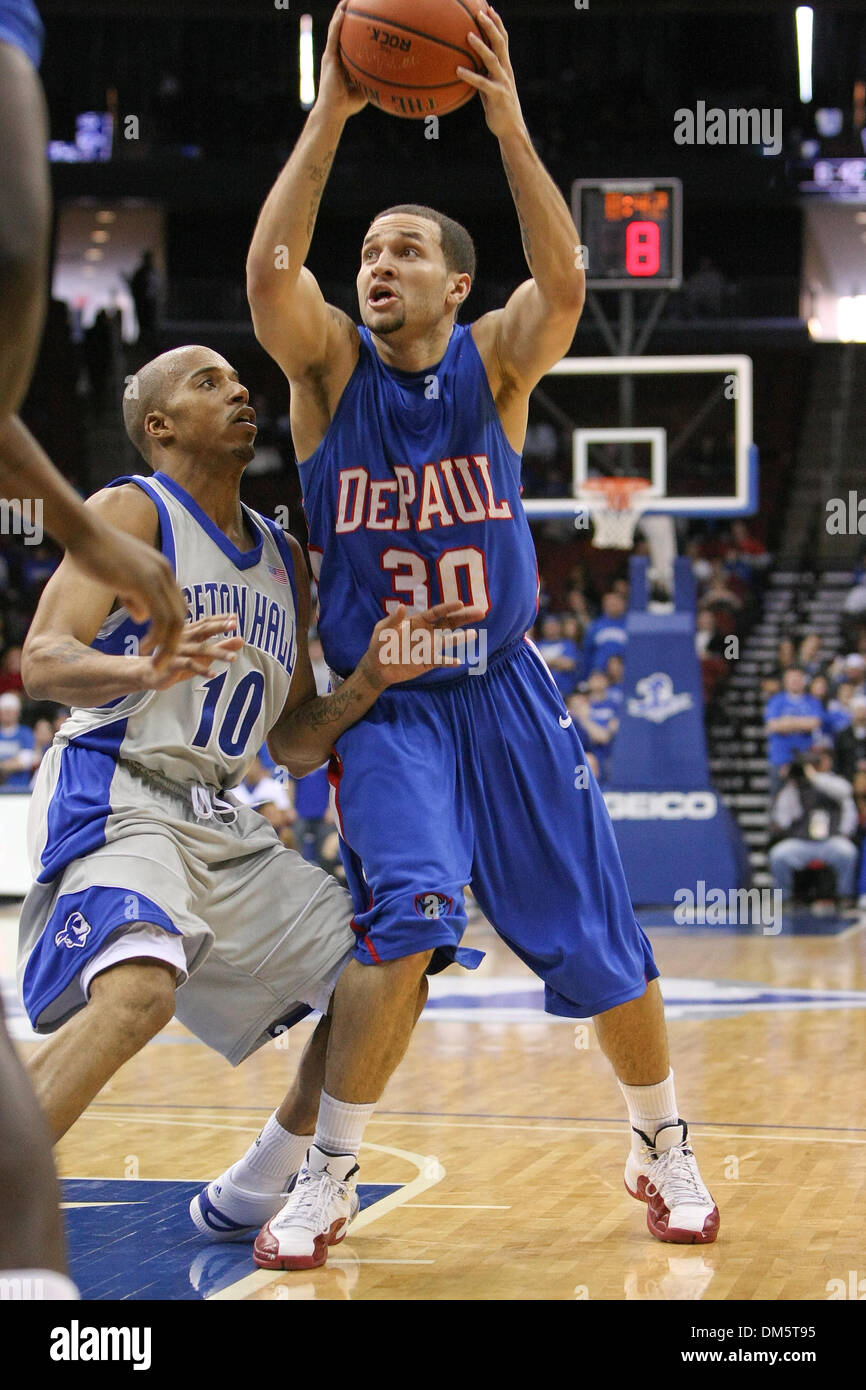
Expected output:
{"points": [[671, 827]]}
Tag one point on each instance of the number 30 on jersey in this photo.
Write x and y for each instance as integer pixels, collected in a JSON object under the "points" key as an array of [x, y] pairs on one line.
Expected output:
{"points": [[460, 577]]}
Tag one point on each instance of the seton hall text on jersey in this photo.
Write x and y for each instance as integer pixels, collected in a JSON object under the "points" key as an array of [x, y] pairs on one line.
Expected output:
{"points": [[262, 622], [453, 490]]}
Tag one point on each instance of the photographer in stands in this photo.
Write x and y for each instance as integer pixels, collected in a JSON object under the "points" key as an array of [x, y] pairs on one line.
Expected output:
{"points": [[813, 817]]}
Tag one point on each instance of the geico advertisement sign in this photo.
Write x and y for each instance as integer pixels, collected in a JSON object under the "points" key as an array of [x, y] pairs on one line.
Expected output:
{"points": [[662, 805]]}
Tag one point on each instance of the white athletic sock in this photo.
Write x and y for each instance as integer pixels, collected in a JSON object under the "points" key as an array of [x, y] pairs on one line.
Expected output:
{"points": [[650, 1107], [274, 1156], [340, 1126], [37, 1286]]}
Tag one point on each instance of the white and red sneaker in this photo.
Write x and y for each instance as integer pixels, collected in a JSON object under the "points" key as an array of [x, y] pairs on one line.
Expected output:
{"points": [[316, 1215], [665, 1176]]}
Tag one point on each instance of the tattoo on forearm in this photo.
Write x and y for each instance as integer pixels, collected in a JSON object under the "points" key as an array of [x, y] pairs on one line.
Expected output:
{"points": [[515, 193], [326, 709], [67, 652], [318, 174]]}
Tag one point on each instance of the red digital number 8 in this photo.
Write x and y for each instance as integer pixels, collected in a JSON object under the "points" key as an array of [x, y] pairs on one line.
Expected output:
{"points": [[642, 248]]}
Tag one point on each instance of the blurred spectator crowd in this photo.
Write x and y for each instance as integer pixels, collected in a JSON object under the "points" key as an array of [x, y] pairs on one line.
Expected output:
{"points": [[815, 722], [583, 636]]}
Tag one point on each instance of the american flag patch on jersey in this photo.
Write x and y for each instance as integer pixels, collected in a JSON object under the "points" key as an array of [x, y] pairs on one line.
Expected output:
{"points": [[279, 573]]}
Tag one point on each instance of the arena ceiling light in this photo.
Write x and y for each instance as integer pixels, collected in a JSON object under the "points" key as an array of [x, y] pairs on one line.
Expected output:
{"points": [[804, 19], [307, 63]]}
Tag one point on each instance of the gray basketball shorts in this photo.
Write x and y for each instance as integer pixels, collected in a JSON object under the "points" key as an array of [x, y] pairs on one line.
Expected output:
{"points": [[264, 934]]}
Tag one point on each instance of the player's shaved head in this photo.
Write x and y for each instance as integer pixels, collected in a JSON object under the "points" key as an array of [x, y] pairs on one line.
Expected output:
{"points": [[154, 384]]}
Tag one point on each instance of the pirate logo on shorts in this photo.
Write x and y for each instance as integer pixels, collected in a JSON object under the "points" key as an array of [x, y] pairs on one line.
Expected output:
{"points": [[75, 932], [432, 905]]}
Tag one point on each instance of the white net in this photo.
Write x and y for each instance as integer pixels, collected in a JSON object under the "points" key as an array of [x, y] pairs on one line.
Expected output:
{"points": [[615, 520]]}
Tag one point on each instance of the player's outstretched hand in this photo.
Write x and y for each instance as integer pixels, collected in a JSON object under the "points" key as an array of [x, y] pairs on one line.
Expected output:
{"points": [[201, 644], [498, 88], [337, 92], [405, 645], [142, 580]]}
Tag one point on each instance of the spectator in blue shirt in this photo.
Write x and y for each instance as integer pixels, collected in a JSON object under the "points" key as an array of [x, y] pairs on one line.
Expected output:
{"points": [[606, 637], [615, 672], [792, 720], [597, 717], [837, 716], [560, 654], [17, 756], [315, 823]]}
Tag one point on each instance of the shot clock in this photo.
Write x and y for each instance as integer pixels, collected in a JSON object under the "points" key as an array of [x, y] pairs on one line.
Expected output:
{"points": [[631, 231]]}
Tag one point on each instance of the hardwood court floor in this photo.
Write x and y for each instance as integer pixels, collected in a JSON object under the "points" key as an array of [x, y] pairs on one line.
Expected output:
{"points": [[494, 1164]]}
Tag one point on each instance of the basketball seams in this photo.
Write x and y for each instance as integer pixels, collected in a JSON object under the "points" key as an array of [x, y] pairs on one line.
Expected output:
{"points": [[389, 82], [472, 16], [419, 34]]}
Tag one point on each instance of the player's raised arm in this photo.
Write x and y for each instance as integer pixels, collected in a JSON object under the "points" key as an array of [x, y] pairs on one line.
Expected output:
{"points": [[137, 573], [25, 470], [304, 735], [536, 327], [58, 662], [291, 319]]}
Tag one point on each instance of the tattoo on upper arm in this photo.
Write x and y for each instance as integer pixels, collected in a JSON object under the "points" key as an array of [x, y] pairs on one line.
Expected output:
{"points": [[343, 321], [318, 174]]}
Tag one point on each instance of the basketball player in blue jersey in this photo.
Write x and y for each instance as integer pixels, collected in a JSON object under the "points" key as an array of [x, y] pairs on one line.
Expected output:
{"points": [[32, 1259], [409, 430], [154, 894]]}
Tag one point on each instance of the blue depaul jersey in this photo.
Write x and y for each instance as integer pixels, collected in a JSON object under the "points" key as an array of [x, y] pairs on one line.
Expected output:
{"points": [[413, 497]]}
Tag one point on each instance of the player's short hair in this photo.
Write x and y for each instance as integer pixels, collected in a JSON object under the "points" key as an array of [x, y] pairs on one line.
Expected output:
{"points": [[458, 248], [151, 389]]}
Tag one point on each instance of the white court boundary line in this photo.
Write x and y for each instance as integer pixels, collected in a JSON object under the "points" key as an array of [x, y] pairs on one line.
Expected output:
{"points": [[262, 1277]]}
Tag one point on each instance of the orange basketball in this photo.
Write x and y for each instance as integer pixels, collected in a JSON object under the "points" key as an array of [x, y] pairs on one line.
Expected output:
{"points": [[403, 53]]}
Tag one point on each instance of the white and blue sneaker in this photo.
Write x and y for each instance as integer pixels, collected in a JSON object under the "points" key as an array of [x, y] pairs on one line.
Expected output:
{"points": [[224, 1211]]}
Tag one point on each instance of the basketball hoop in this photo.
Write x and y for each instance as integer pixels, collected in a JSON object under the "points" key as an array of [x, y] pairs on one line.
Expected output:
{"points": [[620, 510]]}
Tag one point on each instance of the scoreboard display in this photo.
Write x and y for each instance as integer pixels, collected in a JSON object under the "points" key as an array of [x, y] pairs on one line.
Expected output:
{"points": [[630, 231]]}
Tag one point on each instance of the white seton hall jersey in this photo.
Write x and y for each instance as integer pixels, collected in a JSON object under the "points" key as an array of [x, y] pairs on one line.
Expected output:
{"points": [[202, 731]]}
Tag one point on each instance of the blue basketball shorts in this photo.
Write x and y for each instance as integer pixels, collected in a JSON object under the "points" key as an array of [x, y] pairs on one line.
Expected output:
{"points": [[483, 781]]}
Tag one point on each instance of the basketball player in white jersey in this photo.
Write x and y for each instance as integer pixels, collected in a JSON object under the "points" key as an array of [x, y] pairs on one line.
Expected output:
{"points": [[154, 893]]}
